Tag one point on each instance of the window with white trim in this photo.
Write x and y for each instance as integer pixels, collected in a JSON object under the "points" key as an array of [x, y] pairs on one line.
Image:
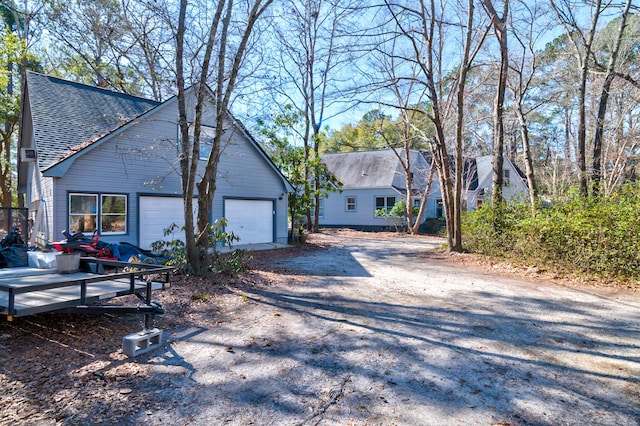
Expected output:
{"points": [[439, 208], [505, 180], [320, 209], [90, 212], [351, 205], [385, 203], [113, 214]]}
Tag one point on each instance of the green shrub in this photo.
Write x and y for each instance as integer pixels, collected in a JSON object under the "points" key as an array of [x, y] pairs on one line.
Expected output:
{"points": [[233, 263], [175, 250], [596, 236], [201, 296]]}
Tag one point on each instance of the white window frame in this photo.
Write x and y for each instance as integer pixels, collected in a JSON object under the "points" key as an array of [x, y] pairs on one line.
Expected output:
{"points": [[88, 213], [96, 213], [386, 206], [103, 214], [506, 177], [351, 206]]}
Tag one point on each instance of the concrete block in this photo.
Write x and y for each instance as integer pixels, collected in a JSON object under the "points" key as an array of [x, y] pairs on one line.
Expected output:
{"points": [[141, 342]]}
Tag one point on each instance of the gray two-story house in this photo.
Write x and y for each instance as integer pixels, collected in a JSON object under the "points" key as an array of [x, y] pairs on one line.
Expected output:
{"points": [[96, 161]]}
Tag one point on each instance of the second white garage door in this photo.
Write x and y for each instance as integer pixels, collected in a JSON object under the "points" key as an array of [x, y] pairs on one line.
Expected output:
{"points": [[251, 220]]}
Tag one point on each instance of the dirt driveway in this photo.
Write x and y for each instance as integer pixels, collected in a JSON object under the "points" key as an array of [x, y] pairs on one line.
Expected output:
{"points": [[382, 332], [369, 331]]}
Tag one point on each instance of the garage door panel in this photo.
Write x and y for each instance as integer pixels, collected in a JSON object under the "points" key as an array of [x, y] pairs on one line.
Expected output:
{"points": [[156, 215], [251, 220]]}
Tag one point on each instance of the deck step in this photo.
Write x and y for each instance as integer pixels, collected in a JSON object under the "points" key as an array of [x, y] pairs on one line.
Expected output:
{"points": [[141, 342]]}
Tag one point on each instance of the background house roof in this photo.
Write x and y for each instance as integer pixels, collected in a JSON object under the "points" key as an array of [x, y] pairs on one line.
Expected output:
{"points": [[69, 116], [366, 169], [472, 167], [484, 170]]}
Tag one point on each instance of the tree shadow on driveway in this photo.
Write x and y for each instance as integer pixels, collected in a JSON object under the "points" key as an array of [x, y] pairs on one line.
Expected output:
{"points": [[336, 262], [532, 364]]}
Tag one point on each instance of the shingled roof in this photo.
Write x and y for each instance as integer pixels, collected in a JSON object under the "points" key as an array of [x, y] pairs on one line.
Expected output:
{"points": [[366, 169], [68, 117]]}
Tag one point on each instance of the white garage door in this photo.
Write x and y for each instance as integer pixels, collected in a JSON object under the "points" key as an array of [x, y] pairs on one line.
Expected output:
{"points": [[251, 220], [156, 215]]}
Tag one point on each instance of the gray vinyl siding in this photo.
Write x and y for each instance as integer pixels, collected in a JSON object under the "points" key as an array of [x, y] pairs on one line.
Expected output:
{"points": [[336, 214], [143, 160]]}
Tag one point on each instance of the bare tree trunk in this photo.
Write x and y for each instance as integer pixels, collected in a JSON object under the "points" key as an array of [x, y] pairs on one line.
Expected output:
{"points": [[583, 59], [312, 50], [439, 146], [197, 245], [428, 44], [500, 29], [423, 203], [528, 161], [602, 107], [465, 65], [188, 178], [9, 126]]}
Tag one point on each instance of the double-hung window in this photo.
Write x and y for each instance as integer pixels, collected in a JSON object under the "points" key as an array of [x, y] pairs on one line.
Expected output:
{"points": [[321, 209], [385, 203], [506, 180], [439, 208], [104, 212], [351, 205]]}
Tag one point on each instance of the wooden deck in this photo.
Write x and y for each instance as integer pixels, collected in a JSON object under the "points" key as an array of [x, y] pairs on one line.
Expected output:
{"points": [[27, 291]]}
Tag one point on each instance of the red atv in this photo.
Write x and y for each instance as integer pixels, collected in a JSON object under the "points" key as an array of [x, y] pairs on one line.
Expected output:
{"points": [[79, 243]]}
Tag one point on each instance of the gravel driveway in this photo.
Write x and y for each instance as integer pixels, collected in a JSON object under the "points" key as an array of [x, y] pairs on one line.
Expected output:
{"points": [[383, 332]]}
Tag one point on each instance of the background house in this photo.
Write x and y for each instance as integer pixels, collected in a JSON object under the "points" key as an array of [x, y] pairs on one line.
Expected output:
{"points": [[372, 180], [92, 159], [375, 180], [481, 181]]}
